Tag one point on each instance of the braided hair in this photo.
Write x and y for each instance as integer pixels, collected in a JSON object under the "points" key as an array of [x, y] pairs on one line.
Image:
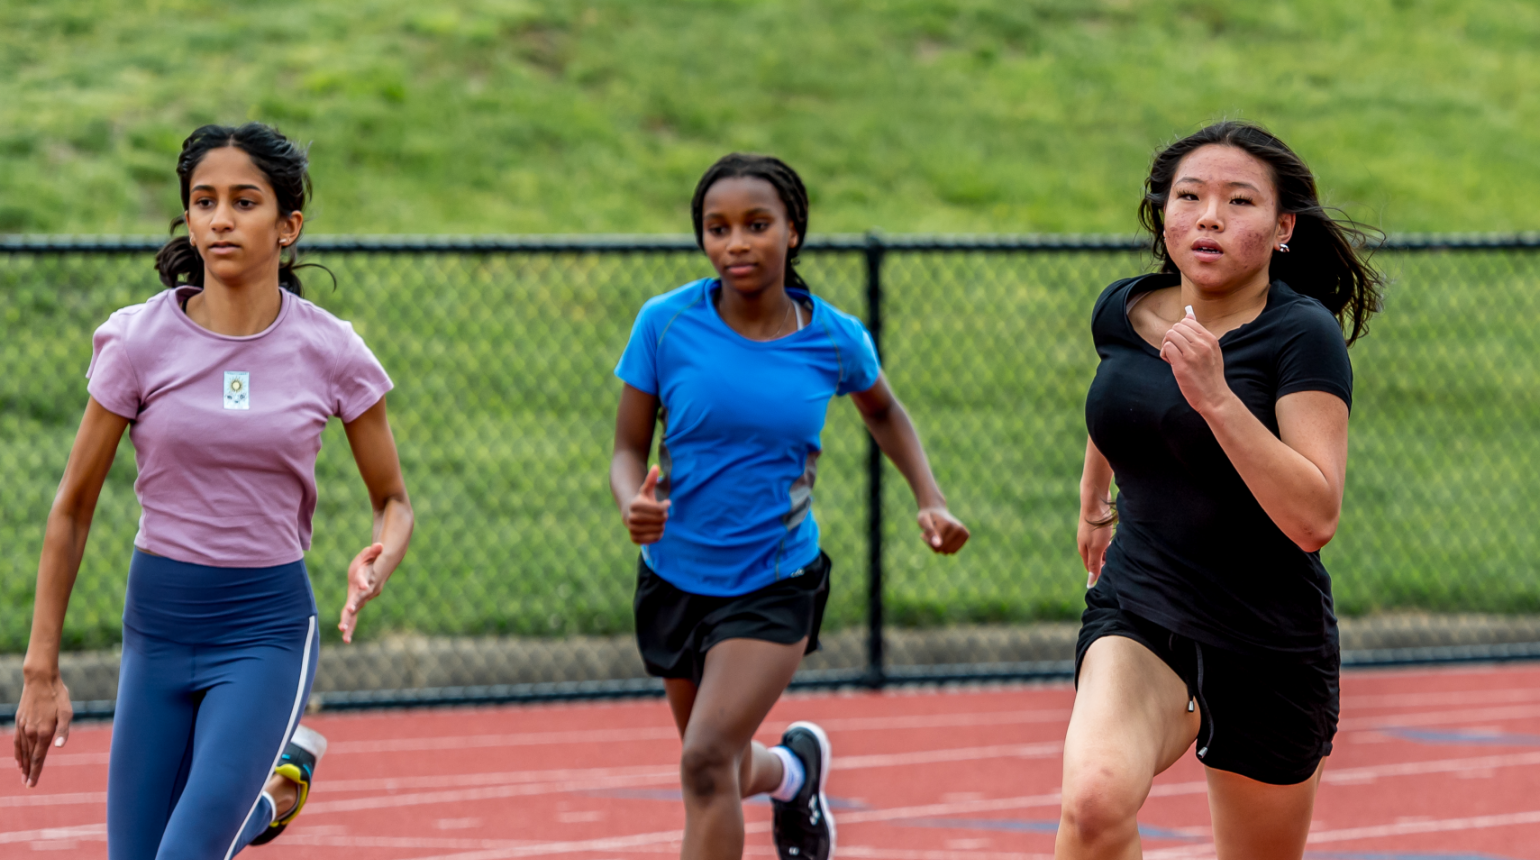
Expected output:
{"points": [[283, 162], [787, 184], [1329, 259]]}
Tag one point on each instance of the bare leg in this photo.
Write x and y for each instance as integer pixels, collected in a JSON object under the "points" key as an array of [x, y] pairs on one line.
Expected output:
{"points": [[720, 764], [1257, 821], [1129, 723], [284, 793], [760, 772]]}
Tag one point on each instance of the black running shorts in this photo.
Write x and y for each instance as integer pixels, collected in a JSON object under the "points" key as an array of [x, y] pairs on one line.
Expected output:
{"points": [[1269, 718], [675, 629]]}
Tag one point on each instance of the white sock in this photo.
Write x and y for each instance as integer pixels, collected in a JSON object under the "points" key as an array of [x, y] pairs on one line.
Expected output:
{"points": [[272, 806], [792, 774]]}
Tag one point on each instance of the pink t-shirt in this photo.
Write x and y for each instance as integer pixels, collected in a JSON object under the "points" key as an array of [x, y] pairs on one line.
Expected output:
{"points": [[226, 429]]}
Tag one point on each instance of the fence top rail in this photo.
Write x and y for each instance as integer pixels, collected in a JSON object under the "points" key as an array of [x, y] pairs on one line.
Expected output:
{"points": [[640, 243]]}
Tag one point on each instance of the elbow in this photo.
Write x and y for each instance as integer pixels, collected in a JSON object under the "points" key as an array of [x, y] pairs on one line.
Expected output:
{"points": [[1312, 536]]}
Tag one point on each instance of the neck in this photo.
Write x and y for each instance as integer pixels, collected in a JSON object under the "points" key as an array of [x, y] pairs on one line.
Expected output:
{"points": [[1217, 305], [236, 310], [762, 315]]}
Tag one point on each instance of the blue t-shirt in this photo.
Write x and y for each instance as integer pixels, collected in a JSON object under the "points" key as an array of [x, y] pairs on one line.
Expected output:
{"points": [[741, 423]]}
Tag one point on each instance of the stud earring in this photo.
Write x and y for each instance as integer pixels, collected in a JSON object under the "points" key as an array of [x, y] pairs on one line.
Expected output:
{"points": [[1283, 247]]}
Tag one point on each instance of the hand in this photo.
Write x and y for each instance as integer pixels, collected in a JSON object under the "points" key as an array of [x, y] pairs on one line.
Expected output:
{"points": [[645, 516], [364, 585], [42, 723], [1197, 362], [944, 533], [1093, 541]]}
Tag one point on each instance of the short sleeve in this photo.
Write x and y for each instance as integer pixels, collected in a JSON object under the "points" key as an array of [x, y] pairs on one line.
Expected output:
{"points": [[638, 365], [359, 379], [113, 381], [860, 368], [1313, 356]]}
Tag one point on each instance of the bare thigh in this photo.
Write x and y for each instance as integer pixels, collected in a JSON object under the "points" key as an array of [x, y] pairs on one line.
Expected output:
{"points": [[1130, 722], [1258, 821]]}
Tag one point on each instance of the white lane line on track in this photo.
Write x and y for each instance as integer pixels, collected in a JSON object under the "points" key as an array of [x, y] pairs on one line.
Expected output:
{"points": [[599, 736], [1435, 718], [324, 840], [514, 784], [1405, 828], [1438, 700], [71, 799], [94, 832]]}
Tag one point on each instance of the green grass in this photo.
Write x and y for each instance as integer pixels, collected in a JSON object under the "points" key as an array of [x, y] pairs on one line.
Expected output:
{"points": [[539, 116], [504, 415]]}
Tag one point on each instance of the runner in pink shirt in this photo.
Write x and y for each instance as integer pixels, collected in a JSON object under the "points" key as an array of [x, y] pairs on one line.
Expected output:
{"points": [[224, 382]]}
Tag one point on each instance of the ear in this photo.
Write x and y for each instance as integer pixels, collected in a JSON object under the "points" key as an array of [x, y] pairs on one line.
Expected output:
{"points": [[1285, 227], [289, 226], [187, 222], [796, 238]]}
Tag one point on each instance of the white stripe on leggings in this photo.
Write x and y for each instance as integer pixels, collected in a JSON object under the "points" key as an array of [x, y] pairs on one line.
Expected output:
{"points": [[299, 696]]}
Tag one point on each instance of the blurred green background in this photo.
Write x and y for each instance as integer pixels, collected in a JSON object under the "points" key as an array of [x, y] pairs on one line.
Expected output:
{"points": [[542, 116], [973, 116]]}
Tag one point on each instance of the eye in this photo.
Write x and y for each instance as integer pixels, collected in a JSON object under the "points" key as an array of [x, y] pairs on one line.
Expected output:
{"points": [[716, 230], [1241, 201], [202, 203], [1186, 195], [760, 226], [246, 204]]}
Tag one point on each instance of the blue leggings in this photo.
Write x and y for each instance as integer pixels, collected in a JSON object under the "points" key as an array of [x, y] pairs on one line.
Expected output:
{"points": [[216, 670]]}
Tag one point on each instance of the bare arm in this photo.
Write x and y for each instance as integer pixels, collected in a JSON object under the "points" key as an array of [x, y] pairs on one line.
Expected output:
{"points": [[889, 424], [374, 450], [633, 485], [1094, 531], [44, 712], [1297, 476]]}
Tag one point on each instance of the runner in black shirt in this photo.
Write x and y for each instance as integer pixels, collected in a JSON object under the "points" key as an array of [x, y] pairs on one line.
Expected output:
{"points": [[1221, 408]]}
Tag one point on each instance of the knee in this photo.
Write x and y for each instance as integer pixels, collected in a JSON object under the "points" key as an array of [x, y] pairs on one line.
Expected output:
{"points": [[1099, 806], [708, 770]]}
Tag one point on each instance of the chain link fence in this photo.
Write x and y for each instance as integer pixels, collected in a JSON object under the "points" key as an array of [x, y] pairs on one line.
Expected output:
{"points": [[519, 582]]}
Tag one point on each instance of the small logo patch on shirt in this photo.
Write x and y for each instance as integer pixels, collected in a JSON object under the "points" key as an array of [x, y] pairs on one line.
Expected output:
{"points": [[237, 389]]}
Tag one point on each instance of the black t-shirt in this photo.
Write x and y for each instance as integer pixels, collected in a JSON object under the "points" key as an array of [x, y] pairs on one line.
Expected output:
{"points": [[1194, 551]]}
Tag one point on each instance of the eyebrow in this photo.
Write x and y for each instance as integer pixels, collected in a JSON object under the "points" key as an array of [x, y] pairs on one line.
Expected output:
{"points": [[1230, 184], [757, 210], [234, 187]]}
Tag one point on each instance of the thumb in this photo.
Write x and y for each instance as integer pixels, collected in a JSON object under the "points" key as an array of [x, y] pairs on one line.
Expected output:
{"points": [[928, 526], [373, 552], [649, 488], [1190, 314]]}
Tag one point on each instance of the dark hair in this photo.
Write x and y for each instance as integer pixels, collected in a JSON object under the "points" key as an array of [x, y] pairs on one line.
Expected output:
{"points": [[1328, 258], [283, 162], [787, 184]]}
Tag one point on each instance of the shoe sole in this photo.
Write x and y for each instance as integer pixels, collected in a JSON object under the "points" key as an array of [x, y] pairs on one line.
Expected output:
{"points": [[825, 755]]}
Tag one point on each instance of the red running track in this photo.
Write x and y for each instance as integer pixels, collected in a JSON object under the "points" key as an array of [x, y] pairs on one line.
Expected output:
{"points": [[1430, 765]]}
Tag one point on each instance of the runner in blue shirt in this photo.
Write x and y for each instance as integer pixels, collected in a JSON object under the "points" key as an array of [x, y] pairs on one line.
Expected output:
{"points": [[731, 584]]}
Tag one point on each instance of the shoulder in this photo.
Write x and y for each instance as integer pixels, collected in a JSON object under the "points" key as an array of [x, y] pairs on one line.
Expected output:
{"points": [[838, 319], [136, 323], [675, 301], [1114, 298], [845, 328], [1302, 316], [316, 323]]}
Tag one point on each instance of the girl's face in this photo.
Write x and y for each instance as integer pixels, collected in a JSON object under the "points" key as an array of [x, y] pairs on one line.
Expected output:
{"points": [[233, 219], [1222, 220], [746, 233]]}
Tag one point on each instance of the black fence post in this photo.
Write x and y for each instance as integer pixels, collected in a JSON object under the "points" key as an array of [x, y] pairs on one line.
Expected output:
{"points": [[876, 675]]}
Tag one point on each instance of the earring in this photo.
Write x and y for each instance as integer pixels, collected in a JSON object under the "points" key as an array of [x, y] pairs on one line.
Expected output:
{"points": [[1283, 247]]}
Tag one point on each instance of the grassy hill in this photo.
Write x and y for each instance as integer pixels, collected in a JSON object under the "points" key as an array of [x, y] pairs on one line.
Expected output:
{"points": [[476, 116]]}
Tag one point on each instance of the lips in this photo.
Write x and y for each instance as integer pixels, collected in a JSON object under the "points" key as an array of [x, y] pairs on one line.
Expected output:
{"points": [[1207, 249], [738, 270]]}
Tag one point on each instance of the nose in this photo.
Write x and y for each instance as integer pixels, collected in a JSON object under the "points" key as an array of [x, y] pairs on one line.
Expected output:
{"points": [[1209, 219], [737, 240], [224, 218]]}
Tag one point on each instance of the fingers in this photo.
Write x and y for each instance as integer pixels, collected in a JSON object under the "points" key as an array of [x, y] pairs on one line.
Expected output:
{"points": [[929, 530], [942, 532], [649, 488]]}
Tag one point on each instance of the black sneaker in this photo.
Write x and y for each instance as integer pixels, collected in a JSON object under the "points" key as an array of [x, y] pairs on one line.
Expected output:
{"points": [[804, 829], [297, 764]]}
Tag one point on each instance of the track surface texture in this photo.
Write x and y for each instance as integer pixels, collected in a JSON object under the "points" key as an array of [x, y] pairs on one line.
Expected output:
{"points": [[1439, 764]]}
